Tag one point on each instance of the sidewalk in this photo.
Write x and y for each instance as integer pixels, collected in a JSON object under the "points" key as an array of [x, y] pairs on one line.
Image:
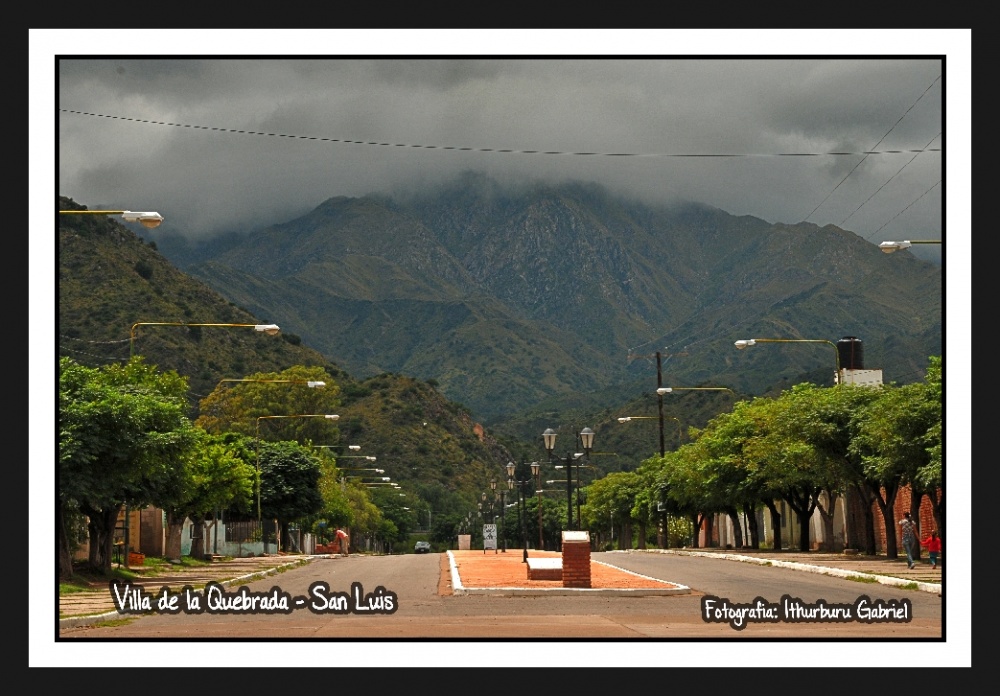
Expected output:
{"points": [[87, 607]]}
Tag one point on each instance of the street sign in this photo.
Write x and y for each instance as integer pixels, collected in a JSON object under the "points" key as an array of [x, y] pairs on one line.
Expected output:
{"points": [[489, 536]]}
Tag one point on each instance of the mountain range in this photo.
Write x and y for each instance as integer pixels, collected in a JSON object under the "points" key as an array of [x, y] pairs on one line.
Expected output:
{"points": [[546, 297]]}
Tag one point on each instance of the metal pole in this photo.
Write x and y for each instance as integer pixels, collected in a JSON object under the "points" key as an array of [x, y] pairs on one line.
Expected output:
{"points": [[503, 518], [538, 497], [579, 524], [522, 514], [659, 399], [569, 490]]}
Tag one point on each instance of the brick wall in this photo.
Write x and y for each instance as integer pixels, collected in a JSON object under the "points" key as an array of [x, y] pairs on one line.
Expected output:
{"points": [[576, 563], [925, 519]]}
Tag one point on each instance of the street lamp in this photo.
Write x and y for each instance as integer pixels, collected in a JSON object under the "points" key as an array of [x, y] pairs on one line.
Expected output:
{"points": [[680, 426], [269, 329], [501, 495], [148, 219], [522, 510], [746, 343], [587, 442], [890, 247], [312, 384], [328, 416], [669, 390]]}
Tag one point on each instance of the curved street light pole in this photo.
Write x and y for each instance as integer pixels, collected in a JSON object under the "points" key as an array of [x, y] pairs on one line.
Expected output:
{"points": [[151, 219], [312, 384], [148, 219], [329, 416], [747, 342], [269, 329], [890, 246]]}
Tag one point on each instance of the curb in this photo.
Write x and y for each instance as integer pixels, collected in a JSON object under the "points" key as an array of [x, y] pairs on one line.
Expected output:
{"points": [[934, 587]]}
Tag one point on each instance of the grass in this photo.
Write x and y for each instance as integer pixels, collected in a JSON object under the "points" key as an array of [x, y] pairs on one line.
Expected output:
{"points": [[862, 578], [85, 579]]}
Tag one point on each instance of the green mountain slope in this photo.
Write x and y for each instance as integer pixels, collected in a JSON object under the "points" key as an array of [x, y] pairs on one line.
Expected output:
{"points": [[510, 298]]}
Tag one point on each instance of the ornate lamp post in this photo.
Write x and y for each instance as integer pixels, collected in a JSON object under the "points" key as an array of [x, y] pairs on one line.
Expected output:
{"points": [[587, 442], [522, 511], [501, 497]]}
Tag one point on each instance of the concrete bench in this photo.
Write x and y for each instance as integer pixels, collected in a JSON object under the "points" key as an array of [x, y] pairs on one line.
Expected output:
{"points": [[544, 568]]}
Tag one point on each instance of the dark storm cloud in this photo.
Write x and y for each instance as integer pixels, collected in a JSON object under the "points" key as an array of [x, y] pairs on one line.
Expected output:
{"points": [[205, 175]]}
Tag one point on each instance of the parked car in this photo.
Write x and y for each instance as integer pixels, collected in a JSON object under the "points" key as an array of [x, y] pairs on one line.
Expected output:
{"points": [[422, 547]]}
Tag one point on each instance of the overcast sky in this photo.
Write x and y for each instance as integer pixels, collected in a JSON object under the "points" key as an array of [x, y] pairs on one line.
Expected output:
{"points": [[712, 116], [211, 143]]}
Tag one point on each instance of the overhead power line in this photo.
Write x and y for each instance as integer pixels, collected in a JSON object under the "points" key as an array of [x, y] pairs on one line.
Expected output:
{"points": [[457, 148]]}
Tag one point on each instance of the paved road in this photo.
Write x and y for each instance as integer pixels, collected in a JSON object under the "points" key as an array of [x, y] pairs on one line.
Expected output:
{"points": [[416, 591]]}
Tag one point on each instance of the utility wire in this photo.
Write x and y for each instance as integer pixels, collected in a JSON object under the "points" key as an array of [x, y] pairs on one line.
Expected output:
{"points": [[497, 150], [854, 168], [884, 185]]}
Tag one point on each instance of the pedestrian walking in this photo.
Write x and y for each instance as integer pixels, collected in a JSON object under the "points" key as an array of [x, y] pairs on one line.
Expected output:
{"points": [[933, 544], [344, 541], [909, 530]]}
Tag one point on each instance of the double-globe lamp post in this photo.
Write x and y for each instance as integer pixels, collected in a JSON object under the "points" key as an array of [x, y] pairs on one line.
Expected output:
{"points": [[501, 496], [522, 509], [586, 442]]}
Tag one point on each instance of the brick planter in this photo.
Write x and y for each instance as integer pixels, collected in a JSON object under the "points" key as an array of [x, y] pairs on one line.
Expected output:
{"points": [[576, 559]]}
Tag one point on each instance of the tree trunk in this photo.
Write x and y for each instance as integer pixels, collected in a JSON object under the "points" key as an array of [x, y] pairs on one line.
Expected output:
{"points": [[915, 498], [775, 522], [734, 517], [175, 531], [198, 542], [937, 505], [696, 527], [101, 528], [888, 508], [642, 534], [751, 516], [65, 548], [867, 497], [826, 516]]}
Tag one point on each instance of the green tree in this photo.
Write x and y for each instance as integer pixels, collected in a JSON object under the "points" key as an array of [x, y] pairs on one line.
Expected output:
{"points": [[289, 486], [217, 474], [898, 440], [122, 434]]}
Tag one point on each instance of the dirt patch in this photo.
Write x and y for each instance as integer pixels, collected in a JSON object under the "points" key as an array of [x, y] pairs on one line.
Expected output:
{"points": [[483, 570]]}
